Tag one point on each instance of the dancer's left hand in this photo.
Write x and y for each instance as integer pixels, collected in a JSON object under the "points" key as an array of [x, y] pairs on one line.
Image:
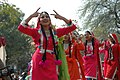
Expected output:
{"points": [[56, 15]]}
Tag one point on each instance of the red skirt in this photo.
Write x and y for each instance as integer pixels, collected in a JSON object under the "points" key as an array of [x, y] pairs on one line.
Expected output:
{"points": [[46, 70], [111, 68], [73, 68]]}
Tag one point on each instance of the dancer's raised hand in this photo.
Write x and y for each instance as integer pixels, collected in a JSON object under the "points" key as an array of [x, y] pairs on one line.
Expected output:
{"points": [[56, 15], [36, 13]]}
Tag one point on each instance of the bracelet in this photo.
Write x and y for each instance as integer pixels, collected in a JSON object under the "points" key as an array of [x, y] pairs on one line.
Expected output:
{"points": [[70, 23]]}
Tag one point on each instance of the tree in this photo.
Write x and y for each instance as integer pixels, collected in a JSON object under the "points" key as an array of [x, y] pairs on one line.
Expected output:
{"points": [[103, 14], [18, 46]]}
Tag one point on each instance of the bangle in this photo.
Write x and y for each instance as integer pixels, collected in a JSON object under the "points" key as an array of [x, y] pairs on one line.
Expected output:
{"points": [[70, 23]]}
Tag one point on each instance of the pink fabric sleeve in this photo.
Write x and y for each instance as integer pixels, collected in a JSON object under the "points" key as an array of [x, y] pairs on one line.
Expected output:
{"points": [[66, 30], [27, 30]]}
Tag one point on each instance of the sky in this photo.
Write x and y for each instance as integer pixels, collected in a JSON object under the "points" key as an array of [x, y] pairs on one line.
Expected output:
{"points": [[66, 8]]}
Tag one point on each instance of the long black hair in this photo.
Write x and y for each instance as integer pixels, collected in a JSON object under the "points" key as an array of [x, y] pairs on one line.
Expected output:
{"points": [[55, 46], [69, 46], [53, 40], [51, 33], [87, 42], [44, 55]]}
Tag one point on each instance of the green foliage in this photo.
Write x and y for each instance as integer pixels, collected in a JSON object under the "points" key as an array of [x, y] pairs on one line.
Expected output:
{"points": [[18, 46], [101, 14]]}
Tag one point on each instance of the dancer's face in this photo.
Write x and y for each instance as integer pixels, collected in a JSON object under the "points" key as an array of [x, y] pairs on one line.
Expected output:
{"points": [[80, 36], [45, 19], [88, 36], [66, 37]]}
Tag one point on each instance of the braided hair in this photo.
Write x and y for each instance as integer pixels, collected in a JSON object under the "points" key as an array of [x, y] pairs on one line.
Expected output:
{"points": [[87, 42], [51, 33], [44, 55], [55, 47], [70, 43]]}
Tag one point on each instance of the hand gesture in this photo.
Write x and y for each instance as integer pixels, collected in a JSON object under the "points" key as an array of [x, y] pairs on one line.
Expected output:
{"points": [[56, 15], [36, 13]]}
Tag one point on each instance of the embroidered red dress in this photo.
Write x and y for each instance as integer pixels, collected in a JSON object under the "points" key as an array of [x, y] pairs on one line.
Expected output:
{"points": [[90, 60], [112, 64], [72, 62], [80, 47], [48, 70]]}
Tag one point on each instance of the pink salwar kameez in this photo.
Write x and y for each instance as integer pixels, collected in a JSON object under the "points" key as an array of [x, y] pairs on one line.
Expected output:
{"points": [[46, 70]]}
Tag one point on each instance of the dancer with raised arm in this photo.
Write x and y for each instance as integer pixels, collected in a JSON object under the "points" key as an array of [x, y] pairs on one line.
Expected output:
{"points": [[45, 58]]}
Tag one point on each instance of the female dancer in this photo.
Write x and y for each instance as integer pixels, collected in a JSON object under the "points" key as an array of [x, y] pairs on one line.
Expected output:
{"points": [[112, 64], [45, 39], [91, 58], [70, 50]]}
